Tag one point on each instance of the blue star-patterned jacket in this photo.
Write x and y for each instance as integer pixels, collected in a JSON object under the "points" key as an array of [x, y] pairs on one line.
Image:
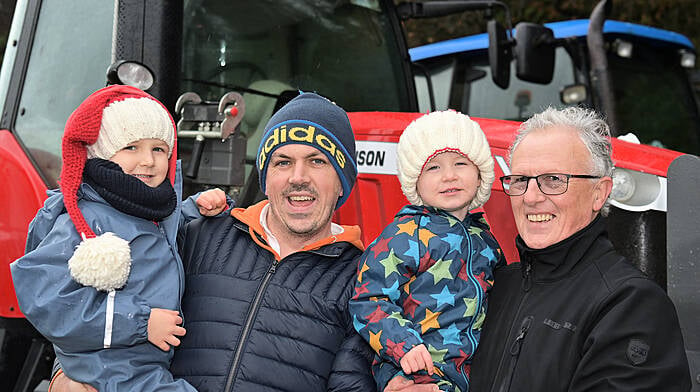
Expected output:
{"points": [[424, 280]]}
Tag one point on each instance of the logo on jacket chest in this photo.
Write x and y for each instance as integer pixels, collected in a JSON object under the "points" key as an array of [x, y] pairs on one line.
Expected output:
{"points": [[560, 325], [637, 351]]}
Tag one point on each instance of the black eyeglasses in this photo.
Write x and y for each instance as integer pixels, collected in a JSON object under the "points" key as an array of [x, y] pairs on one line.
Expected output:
{"points": [[549, 183]]}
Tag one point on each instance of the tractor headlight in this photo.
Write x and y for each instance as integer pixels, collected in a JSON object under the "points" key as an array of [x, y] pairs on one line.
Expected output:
{"points": [[623, 185], [573, 94], [637, 191], [130, 73], [623, 48], [687, 59]]}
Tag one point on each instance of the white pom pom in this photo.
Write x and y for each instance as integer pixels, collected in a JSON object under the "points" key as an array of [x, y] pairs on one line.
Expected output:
{"points": [[102, 262]]}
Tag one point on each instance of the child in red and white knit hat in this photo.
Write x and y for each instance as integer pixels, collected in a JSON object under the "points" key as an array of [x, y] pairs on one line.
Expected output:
{"points": [[101, 278]]}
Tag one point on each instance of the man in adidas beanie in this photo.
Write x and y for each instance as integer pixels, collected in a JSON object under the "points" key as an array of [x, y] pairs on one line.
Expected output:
{"points": [[101, 278], [433, 254], [312, 120]]}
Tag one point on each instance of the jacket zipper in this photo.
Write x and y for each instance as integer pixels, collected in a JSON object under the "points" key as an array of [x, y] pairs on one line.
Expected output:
{"points": [[499, 369], [252, 313], [515, 353], [180, 269], [527, 276], [477, 286]]}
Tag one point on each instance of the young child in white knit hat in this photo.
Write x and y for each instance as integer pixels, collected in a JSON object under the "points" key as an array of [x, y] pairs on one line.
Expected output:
{"points": [[101, 278], [422, 284]]}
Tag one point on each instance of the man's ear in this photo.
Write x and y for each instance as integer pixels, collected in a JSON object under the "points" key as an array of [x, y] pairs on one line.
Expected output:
{"points": [[601, 191]]}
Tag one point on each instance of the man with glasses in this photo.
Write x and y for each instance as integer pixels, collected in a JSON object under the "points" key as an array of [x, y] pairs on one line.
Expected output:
{"points": [[573, 315]]}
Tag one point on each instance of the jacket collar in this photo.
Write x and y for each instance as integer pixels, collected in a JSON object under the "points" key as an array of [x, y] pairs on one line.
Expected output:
{"points": [[558, 260], [251, 218], [423, 210]]}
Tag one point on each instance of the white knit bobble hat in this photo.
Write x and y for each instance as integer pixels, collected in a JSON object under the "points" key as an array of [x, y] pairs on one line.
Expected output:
{"points": [[449, 131], [130, 120]]}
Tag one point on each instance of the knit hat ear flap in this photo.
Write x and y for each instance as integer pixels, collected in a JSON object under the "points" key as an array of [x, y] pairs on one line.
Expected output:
{"points": [[102, 262], [443, 131]]}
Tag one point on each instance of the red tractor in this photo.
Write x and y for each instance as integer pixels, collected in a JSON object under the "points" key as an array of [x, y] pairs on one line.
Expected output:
{"points": [[223, 68]]}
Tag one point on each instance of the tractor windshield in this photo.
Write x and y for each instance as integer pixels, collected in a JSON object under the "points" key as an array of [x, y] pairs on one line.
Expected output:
{"points": [[268, 50], [654, 98], [463, 82], [344, 50]]}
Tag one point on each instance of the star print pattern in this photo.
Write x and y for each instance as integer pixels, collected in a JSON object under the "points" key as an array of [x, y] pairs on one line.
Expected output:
{"points": [[410, 305], [390, 263], [395, 350], [424, 280], [445, 297], [374, 340]]}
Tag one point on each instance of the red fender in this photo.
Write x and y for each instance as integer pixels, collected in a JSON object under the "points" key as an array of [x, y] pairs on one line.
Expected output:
{"points": [[22, 194]]}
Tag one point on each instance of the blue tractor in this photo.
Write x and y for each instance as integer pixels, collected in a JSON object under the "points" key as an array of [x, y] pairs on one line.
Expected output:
{"points": [[648, 89]]}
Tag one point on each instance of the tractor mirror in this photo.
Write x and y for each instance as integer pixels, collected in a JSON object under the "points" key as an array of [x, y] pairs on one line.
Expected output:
{"points": [[499, 54], [534, 52]]}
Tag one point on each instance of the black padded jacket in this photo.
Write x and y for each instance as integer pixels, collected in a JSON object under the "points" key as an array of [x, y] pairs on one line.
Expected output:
{"points": [[255, 323], [576, 316]]}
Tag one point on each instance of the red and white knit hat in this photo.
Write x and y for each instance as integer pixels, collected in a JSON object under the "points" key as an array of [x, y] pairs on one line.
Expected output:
{"points": [[437, 132], [104, 123]]}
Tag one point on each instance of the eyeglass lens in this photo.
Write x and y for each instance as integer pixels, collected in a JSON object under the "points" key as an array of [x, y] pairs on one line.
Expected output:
{"points": [[550, 184]]}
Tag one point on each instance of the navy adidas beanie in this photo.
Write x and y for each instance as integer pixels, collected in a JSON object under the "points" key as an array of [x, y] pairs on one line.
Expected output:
{"points": [[315, 121]]}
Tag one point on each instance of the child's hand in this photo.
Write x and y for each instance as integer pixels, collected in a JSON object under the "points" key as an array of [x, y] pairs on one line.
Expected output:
{"points": [[212, 202], [163, 328], [417, 358]]}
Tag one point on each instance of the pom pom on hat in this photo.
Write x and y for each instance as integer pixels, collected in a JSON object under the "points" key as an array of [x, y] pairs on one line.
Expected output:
{"points": [[449, 131], [102, 262], [104, 123]]}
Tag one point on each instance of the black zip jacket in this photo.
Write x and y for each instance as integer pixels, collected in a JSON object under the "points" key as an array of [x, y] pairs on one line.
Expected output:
{"points": [[576, 316], [257, 324]]}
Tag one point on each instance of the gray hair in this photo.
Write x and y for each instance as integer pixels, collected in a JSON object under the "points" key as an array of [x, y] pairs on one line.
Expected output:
{"points": [[591, 128]]}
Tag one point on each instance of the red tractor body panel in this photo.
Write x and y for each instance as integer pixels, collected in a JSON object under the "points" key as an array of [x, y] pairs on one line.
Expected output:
{"points": [[642, 157], [22, 194]]}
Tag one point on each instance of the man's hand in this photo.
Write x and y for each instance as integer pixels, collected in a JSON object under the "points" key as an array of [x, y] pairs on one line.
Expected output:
{"points": [[163, 328], [417, 358], [64, 384], [402, 384], [212, 202]]}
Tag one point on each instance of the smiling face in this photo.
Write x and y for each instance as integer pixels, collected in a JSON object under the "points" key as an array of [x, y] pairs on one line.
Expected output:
{"points": [[449, 181], [303, 189], [543, 220], [145, 159]]}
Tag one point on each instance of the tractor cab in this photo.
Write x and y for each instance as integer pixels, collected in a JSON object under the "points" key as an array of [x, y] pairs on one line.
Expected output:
{"points": [[649, 68]]}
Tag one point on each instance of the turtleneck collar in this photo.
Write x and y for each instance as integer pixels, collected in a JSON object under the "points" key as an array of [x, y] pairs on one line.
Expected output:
{"points": [[557, 260]]}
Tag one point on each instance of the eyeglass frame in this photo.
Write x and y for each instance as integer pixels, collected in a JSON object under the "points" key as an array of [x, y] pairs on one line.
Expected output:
{"points": [[539, 186]]}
